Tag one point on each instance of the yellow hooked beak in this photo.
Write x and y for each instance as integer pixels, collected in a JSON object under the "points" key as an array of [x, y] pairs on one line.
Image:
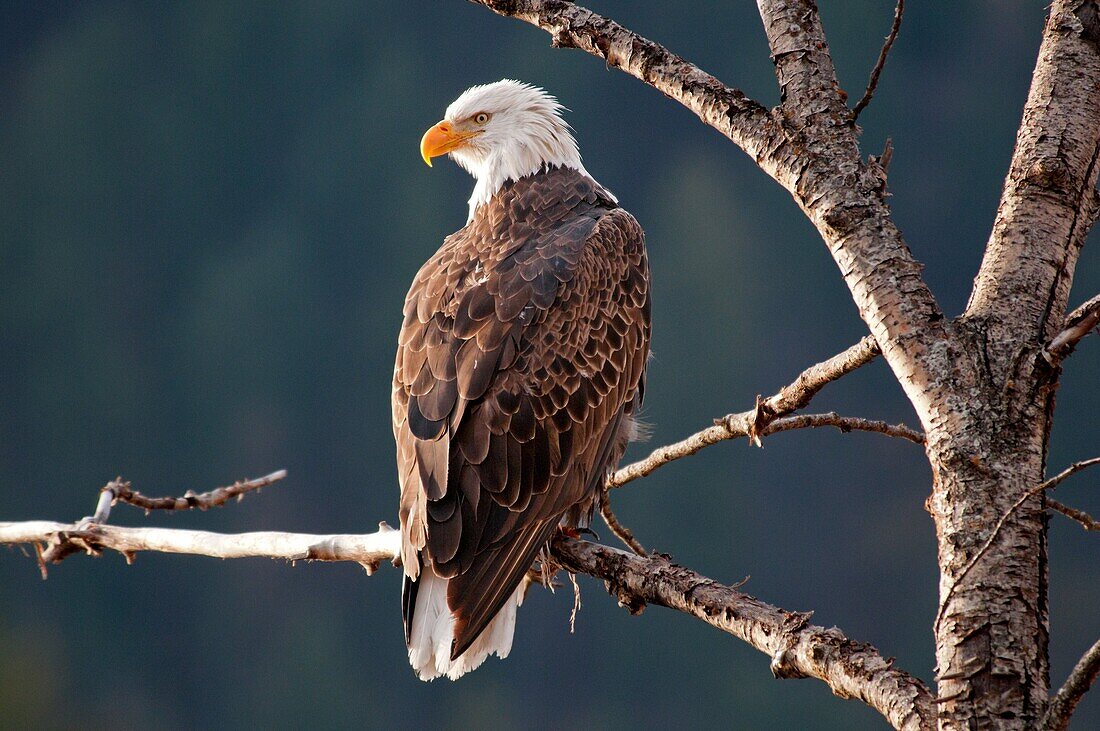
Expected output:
{"points": [[441, 139]]}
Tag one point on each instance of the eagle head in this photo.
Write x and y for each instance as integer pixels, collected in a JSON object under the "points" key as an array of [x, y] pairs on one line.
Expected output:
{"points": [[501, 132]]}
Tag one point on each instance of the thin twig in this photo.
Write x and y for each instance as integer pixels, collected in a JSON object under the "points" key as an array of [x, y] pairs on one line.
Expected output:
{"points": [[1080, 679], [795, 395], [887, 155], [1046, 485], [872, 84], [1087, 522], [576, 602], [844, 424], [66, 543], [740, 425], [621, 532], [190, 501], [1078, 324]]}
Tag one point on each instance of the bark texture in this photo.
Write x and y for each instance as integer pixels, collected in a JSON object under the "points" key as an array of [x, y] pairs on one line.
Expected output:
{"points": [[368, 549], [798, 649], [992, 636], [983, 384]]}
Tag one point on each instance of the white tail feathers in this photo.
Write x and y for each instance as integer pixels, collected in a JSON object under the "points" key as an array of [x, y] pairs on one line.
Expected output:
{"points": [[433, 630]]}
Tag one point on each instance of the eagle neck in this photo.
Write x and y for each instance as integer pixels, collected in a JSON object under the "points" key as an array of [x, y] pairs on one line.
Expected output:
{"points": [[543, 190], [497, 173]]}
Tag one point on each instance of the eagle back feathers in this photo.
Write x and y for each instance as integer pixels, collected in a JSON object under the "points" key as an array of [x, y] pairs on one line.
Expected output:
{"points": [[521, 355]]}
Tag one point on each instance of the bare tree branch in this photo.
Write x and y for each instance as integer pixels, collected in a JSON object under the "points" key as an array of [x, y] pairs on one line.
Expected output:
{"points": [[1079, 323], [798, 394], [1046, 485], [740, 425], [621, 532], [121, 492], [1045, 211], [1065, 701], [797, 648], [118, 490], [872, 83], [754, 424], [1087, 522], [369, 550]]}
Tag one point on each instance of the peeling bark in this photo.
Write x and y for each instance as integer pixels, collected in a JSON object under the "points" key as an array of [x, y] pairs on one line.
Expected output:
{"points": [[983, 384], [991, 645], [798, 649]]}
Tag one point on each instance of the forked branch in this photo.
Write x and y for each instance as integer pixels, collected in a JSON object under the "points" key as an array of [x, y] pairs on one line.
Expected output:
{"points": [[770, 415], [799, 393], [64, 543]]}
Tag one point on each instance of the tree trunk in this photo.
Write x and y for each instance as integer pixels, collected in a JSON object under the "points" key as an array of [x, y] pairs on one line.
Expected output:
{"points": [[993, 626], [982, 385], [991, 634]]}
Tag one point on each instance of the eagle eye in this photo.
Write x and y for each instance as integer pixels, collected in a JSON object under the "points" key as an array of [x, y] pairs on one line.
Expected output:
{"points": [[481, 117]]}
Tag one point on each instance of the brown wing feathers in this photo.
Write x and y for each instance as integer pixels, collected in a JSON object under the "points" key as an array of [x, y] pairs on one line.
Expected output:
{"points": [[524, 343]]}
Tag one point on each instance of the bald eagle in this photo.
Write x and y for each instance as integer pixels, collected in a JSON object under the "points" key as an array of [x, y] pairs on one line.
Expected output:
{"points": [[520, 369]]}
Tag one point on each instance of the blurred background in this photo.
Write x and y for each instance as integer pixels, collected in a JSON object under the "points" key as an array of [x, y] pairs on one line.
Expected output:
{"points": [[210, 216]]}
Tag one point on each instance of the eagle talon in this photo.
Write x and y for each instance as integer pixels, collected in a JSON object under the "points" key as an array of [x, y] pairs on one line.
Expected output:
{"points": [[588, 532]]}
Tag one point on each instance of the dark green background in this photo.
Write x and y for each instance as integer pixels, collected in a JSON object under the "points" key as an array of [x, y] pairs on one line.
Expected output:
{"points": [[209, 215]]}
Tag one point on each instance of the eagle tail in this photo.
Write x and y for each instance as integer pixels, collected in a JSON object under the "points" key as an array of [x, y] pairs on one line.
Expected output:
{"points": [[433, 631]]}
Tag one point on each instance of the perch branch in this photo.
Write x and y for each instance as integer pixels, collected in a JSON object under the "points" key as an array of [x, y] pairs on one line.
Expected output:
{"points": [[1080, 679], [872, 83], [1079, 323], [798, 649], [1045, 485], [369, 550]]}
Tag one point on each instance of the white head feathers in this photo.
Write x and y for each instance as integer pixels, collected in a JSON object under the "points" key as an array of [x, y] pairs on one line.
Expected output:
{"points": [[519, 131]]}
